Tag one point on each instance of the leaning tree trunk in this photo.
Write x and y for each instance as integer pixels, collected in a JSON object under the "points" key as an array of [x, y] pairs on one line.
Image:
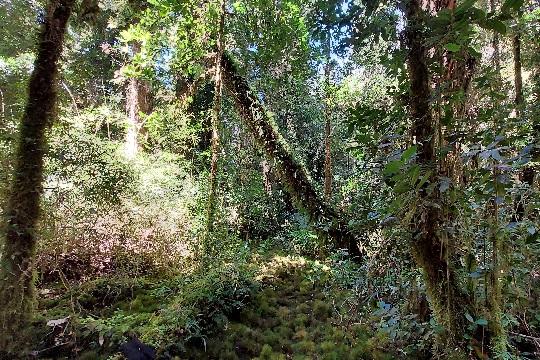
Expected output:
{"points": [[17, 287], [291, 173], [429, 243], [138, 101]]}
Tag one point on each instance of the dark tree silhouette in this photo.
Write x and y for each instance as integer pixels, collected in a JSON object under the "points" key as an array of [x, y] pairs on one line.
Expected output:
{"points": [[16, 265]]}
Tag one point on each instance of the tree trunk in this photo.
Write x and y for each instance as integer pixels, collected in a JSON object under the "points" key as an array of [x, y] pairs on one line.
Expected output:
{"points": [[327, 128], [429, 244], [215, 128], [518, 80], [291, 173], [138, 101], [17, 289], [495, 43]]}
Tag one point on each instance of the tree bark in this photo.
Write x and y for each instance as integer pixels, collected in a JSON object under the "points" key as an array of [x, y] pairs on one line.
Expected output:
{"points": [[17, 289], [211, 209], [429, 244], [291, 173], [138, 101], [518, 80], [327, 128], [495, 43]]}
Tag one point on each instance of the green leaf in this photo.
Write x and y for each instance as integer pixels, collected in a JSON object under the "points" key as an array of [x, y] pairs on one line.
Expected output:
{"points": [[481, 322], [407, 154], [392, 167], [496, 25], [423, 180], [512, 5], [469, 317], [452, 47]]}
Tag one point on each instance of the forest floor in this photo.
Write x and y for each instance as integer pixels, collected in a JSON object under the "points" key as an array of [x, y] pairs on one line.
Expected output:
{"points": [[279, 307], [293, 316]]}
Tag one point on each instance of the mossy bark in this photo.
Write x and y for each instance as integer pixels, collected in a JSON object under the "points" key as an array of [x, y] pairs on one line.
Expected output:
{"points": [[518, 78], [327, 124], [430, 245], [291, 173], [216, 111], [17, 263]]}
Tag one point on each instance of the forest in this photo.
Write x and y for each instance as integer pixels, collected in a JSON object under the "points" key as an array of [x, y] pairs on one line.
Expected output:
{"points": [[269, 179]]}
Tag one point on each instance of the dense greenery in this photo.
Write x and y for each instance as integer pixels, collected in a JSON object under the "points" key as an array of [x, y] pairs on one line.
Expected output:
{"points": [[293, 179]]}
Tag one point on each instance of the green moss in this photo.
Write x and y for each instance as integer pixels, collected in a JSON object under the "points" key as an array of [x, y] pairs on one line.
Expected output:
{"points": [[303, 308], [321, 309], [270, 337], [327, 346], [266, 352], [283, 312], [305, 347], [301, 320], [306, 287]]}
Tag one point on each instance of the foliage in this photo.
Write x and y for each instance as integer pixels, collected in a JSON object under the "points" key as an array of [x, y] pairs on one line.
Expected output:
{"points": [[120, 239]]}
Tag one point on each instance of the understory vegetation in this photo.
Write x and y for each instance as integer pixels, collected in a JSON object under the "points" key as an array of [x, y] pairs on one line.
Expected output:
{"points": [[288, 179]]}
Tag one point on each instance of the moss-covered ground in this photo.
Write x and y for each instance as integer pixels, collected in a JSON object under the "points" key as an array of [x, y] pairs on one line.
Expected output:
{"points": [[295, 315], [273, 307]]}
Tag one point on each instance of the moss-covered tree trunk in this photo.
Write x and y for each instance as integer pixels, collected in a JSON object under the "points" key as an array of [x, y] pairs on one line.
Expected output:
{"points": [[518, 78], [291, 173], [214, 145], [138, 101], [17, 262], [327, 124], [429, 244]]}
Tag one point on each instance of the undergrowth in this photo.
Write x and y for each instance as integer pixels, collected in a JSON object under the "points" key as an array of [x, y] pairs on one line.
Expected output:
{"points": [[270, 307]]}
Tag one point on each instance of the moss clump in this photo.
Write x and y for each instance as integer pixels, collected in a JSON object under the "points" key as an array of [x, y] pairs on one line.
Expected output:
{"points": [[306, 287], [327, 346], [283, 312], [266, 352], [270, 337], [304, 347], [321, 309], [300, 334], [301, 320], [303, 308]]}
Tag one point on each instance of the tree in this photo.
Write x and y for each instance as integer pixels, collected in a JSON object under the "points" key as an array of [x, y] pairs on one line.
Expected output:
{"points": [[430, 249], [216, 110], [293, 176], [138, 101], [16, 265]]}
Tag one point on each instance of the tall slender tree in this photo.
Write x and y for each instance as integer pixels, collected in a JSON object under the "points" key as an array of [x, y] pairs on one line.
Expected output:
{"points": [[17, 289], [429, 244], [216, 111], [138, 102], [328, 121], [518, 77]]}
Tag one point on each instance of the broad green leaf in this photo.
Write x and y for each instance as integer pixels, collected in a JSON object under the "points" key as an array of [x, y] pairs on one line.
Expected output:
{"points": [[407, 154], [512, 5], [452, 47], [392, 167], [495, 25], [481, 322]]}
